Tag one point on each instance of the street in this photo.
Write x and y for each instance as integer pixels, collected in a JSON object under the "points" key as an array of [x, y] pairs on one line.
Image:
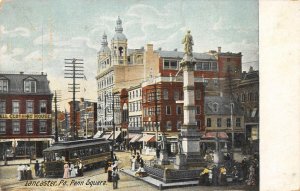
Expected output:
{"points": [[92, 180]]}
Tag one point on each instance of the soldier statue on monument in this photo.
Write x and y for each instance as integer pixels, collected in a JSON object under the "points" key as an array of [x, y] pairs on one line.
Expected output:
{"points": [[188, 43]]}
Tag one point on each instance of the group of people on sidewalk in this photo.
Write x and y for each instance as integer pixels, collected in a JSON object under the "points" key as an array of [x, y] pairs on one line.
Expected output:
{"points": [[111, 168], [73, 170], [245, 172], [137, 162]]}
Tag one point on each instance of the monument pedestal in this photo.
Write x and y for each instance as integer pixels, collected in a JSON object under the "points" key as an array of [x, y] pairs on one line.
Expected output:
{"points": [[180, 162], [163, 158]]}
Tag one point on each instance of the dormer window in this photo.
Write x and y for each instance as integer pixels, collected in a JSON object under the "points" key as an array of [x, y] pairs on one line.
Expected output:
{"points": [[3, 85], [215, 107], [30, 86]]}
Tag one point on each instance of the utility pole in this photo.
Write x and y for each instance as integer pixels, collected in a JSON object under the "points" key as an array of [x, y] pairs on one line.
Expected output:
{"points": [[74, 70], [56, 129]]}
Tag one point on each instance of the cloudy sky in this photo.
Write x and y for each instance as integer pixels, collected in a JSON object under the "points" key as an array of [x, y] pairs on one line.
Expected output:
{"points": [[37, 35]]}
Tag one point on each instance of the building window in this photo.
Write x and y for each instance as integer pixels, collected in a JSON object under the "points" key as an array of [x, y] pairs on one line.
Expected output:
{"points": [[170, 64], [219, 122], [198, 123], [216, 82], [198, 94], [3, 85], [169, 125], [178, 109], [29, 106], [198, 110], [179, 124], [228, 59], [166, 94], [43, 107], [243, 97], [2, 127], [16, 107], [238, 122], [208, 122], [29, 127], [215, 107], [228, 122], [176, 95], [16, 127], [43, 126], [30, 86], [2, 106], [168, 110], [214, 66]]}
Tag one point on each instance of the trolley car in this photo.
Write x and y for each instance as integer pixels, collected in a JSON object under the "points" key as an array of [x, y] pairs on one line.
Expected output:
{"points": [[92, 153]]}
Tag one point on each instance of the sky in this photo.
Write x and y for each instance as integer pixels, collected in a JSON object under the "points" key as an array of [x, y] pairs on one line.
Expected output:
{"points": [[37, 35]]}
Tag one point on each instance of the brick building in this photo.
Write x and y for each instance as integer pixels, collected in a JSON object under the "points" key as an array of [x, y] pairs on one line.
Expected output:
{"points": [[25, 114]]}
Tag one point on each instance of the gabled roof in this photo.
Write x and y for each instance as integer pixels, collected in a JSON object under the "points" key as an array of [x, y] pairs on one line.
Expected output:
{"points": [[176, 54], [16, 83], [223, 106]]}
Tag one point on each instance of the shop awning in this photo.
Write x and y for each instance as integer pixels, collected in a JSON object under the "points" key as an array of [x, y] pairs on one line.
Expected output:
{"points": [[136, 138], [117, 134], [221, 135], [106, 135], [148, 138], [130, 136]]}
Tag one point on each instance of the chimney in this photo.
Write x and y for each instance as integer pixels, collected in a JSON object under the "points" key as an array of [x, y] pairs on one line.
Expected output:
{"points": [[42, 73], [175, 49], [150, 47], [81, 99], [21, 72], [159, 48], [219, 49]]}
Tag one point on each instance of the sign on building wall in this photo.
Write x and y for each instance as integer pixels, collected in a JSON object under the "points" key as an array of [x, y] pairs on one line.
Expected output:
{"points": [[25, 116]]}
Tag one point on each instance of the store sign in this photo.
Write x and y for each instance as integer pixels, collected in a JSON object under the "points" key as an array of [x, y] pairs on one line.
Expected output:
{"points": [[25, 116]]}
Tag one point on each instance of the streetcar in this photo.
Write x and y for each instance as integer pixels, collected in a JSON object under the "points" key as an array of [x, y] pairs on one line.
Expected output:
{"points": [[92, 153]]}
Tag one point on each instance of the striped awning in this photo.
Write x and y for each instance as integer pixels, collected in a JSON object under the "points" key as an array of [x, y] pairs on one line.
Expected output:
{"points": [[148, 138], [136, 138], [221, 135], [117, 134]]}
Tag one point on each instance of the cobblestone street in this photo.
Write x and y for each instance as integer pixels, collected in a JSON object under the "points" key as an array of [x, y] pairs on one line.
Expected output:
{"points": [[92, 180]]}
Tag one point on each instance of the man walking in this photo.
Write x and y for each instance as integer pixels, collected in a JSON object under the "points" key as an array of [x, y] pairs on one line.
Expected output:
{"points": [[115, 178], [36, 168]]}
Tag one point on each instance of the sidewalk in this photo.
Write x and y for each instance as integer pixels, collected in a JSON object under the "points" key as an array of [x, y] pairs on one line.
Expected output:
{"points": [[19, 161]]}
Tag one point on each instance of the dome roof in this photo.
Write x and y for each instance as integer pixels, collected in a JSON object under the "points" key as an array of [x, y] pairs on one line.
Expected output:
{"points": [[104, 43], [119, 36], [119, 31]]}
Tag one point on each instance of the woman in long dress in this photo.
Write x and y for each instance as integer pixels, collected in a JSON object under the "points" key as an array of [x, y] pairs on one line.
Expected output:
{"points": [[73, 172], [66, 170], [133, 163]]}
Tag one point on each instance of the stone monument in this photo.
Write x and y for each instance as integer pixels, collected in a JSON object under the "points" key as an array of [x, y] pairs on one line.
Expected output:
{"points": [[163, 158], [189, 132]]}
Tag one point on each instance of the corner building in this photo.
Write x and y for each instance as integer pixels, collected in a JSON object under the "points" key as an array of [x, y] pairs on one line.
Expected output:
{"points": [[25, 114]]}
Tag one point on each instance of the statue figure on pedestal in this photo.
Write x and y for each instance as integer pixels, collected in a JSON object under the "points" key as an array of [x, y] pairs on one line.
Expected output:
{"points": [[188, 43]]}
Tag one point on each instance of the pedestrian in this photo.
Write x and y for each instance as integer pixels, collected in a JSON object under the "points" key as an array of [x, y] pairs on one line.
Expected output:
{"points": [[115, 178], [244, 169], [141, 162], [215, 175], [28, 172], [36, 168], [109, 173], [106, 165], [80, 168], [138, 157], [19, 172], [134, 150], [132, 160], [131, 149], [42, 170], [204, 177], [141, 148], [222, 176], [72, 171], [235, 175], [115, 158], [66, 170], [251, 179]]}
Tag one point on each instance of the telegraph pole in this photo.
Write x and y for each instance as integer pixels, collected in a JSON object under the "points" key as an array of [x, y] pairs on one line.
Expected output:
{"points": [[57, 97], [74, 70]]}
